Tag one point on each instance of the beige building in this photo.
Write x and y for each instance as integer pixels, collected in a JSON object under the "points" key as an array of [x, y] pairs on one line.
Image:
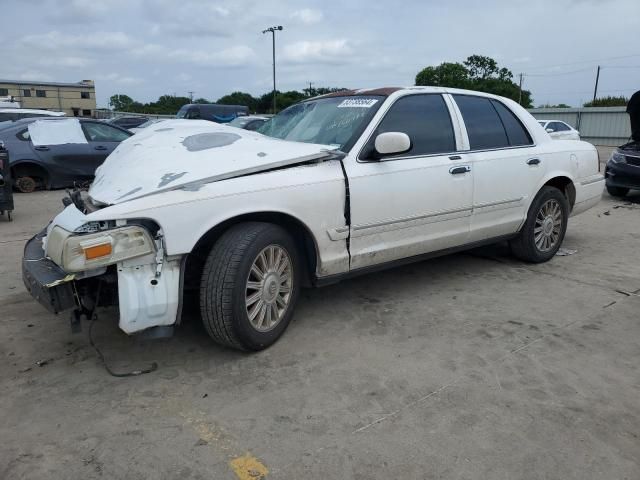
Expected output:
{"points": [[75, 99]]}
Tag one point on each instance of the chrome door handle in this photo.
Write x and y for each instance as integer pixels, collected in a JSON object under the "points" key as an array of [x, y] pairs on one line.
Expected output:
{"points": [[460, 169], [533, 161]]}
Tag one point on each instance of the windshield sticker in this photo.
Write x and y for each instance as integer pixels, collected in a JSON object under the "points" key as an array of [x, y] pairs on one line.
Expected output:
{"points": [[358, 103]]}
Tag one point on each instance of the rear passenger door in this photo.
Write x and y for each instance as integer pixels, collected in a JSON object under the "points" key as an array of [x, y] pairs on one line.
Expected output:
{"points": [[507, 166], [415, 202]]}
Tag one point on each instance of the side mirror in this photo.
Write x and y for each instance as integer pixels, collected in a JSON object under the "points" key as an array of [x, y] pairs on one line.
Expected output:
{"points": [[389, 143], [550, 130]]}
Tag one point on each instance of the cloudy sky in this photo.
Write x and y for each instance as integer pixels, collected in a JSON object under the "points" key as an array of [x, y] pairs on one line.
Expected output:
{"points": [[146, 48]]}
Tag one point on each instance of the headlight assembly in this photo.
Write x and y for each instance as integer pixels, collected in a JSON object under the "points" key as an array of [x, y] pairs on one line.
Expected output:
{"points": [[617, 157], [83, 252]]}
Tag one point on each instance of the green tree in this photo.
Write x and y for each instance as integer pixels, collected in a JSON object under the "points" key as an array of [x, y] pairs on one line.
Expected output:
{"points": [[240, 98], [608, 102], [446, 74], [477, 72], [283, 100], [120, 102], [201, 100]]}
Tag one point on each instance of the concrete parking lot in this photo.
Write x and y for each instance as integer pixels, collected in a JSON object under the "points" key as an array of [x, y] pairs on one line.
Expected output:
{"points": [[471, 366]]}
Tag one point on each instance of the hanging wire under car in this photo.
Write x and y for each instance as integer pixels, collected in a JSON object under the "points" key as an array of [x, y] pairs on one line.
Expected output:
{"points": [[93, 319]]}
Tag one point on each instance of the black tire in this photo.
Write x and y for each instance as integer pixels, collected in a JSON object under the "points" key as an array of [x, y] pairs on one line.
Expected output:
{"points": [[617, 191], [524, 245], [223, 285]]}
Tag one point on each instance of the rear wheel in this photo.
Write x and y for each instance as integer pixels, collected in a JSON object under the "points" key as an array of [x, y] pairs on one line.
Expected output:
{"points": [[250, 285], [544, 230], [617, 191], [25, 184]]}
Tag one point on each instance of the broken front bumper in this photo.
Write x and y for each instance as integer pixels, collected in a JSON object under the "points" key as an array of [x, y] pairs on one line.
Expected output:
{"points": [[44, 280], [145, 298]]}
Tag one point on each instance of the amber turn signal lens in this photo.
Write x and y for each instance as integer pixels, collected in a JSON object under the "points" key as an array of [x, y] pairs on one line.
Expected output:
{"points": [[97, 251]]}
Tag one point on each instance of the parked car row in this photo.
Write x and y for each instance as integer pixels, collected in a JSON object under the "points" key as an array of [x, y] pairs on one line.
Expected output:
{"points": [[332, 187]]}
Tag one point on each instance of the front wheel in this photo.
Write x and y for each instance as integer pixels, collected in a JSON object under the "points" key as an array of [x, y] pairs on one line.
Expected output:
{"points": [[544, 229], [617, 191], [250, 285]]}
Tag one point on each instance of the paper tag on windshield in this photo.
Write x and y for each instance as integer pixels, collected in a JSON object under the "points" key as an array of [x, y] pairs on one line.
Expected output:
{"points": [[358, 103]]}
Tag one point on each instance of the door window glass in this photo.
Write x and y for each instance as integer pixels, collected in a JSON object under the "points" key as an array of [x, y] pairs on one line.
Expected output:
{"points": [[483, 123], [101, 132], [562, 127], [516, 133], [425, 118]]}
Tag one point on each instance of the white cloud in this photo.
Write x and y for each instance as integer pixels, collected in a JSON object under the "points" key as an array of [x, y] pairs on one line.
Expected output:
{"points": [[119, 79], [56, 40], [34, 75], [236, 56], [308, 16], [67, 61], [330, 51]]}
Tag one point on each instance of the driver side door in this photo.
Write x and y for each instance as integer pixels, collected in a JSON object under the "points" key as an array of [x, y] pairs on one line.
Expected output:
{"points": [[415, 202]]}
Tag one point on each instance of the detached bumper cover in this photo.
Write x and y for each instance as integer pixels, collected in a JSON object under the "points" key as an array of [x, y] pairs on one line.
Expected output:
{"points": [[44, 280]]}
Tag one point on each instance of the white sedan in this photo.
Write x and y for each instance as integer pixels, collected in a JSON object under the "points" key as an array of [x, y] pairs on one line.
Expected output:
{"points": [[335, 186], [559, 130]]}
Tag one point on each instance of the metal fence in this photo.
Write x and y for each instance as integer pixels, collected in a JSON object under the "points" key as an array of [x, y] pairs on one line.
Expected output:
{"points": [[597, 125]]}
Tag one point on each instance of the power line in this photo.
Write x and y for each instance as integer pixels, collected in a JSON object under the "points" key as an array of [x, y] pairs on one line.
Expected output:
{"points": [[585, 61], [621, 66], [557, 74]]}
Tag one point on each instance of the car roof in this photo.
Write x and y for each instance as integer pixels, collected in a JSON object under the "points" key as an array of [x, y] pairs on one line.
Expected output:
{"points": [[388, 91], [26, 121], [547, 120], [32, 110]]}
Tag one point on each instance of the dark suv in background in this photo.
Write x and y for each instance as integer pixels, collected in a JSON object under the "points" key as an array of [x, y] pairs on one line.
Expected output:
{"points": [[212, 112]]}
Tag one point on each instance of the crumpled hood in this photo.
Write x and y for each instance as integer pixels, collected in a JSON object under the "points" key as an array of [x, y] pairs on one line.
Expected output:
{"points": [[185, 153]]}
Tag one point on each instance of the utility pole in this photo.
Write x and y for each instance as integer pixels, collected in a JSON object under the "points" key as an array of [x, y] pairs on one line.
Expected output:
{"points": [[520, 87], [191, 95], [273, 34], [595, 90], [310, 89]]}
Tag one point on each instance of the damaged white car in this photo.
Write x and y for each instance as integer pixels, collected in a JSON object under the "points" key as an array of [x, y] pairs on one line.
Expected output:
{"points": [[239, 222]]}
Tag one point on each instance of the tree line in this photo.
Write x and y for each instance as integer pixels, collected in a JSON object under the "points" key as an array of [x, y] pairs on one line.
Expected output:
{"points": [[477, 72], [169, 104]]}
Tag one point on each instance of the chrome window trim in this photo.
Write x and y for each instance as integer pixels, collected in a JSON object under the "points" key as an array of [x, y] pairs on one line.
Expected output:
{"points": [[459, 120]]}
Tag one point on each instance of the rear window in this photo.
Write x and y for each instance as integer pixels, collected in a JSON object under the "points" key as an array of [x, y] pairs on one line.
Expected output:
{"points": [[182, 112]]}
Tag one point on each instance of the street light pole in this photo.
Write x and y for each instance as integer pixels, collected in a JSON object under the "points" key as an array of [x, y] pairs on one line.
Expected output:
{"points": [[273, 35]]}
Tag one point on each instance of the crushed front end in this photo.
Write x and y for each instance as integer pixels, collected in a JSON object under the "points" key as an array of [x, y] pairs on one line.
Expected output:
{"points": [[78, 264]]}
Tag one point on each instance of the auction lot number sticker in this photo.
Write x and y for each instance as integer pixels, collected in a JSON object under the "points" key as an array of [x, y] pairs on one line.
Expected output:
{"points": [[358, 103]]}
